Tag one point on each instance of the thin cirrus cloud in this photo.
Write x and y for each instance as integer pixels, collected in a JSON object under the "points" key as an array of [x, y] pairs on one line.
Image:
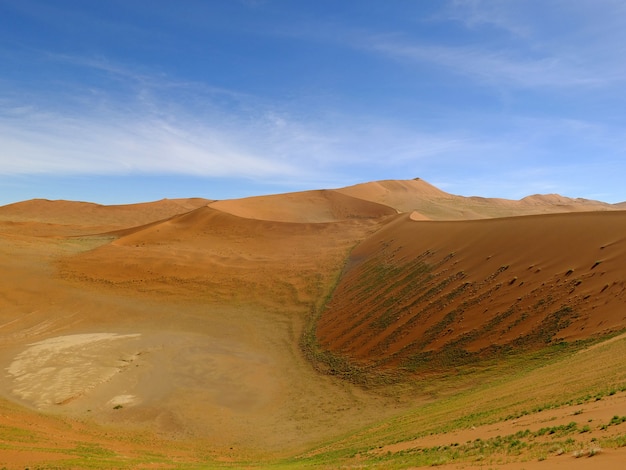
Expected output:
{"points": [[570, 44], [152, 124], [145, 124], [494, 67], [152, 133], [46, 142]]}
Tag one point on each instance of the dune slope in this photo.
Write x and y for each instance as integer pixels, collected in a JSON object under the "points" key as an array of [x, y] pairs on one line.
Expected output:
{"points": [[223, 257], [418, 295], [306, 206]]}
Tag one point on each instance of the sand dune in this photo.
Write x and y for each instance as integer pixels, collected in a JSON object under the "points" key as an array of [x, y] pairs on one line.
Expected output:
{"points": [[223, 257], [185, 320], [307, 206], [461, 288], [432, 203], [43, 217], [218, 301]]}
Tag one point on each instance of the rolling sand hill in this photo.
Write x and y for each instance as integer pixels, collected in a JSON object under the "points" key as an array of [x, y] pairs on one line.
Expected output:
{"points": [[218, 256], [307, 207], [431, 203], [44, 217], [199, 334]]}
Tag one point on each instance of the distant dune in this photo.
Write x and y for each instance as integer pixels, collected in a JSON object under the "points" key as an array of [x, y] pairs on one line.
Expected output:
{"points": [[432, 203], [42, 216], [307, 206]]}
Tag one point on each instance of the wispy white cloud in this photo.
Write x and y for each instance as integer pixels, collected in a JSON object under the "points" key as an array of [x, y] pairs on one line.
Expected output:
{"points": [[495, 67], [572, 44], [35, 142], [150, 124], [158, 125], [157, 132], [475, 14]]}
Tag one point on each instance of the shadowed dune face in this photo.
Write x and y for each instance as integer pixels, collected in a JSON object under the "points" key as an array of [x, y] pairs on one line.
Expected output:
{"points": [[424, 294]]}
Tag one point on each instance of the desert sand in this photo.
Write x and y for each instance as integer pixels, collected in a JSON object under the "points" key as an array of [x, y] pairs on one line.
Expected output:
{"points": [[200, 333], [508, 282]]}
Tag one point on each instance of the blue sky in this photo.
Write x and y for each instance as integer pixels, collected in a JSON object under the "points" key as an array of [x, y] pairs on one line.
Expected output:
{"points": [[123, 101]]}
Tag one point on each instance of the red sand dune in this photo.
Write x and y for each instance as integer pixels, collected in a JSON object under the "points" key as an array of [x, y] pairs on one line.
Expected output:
{"points": [[457, 288]]}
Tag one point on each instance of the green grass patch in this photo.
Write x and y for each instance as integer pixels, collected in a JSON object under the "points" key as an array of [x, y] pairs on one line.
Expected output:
{"points": [[513, 386]]}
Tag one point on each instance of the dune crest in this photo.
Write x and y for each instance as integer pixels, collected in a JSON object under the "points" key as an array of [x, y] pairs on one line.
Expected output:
{"points": [[45, 217], [304, 207], [433, 203]]}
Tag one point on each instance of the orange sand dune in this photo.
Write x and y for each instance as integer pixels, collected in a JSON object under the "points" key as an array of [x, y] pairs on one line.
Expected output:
{"points": [[222, 256], [432, 203], [417, 289], [306, 206], [43, 217]]}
